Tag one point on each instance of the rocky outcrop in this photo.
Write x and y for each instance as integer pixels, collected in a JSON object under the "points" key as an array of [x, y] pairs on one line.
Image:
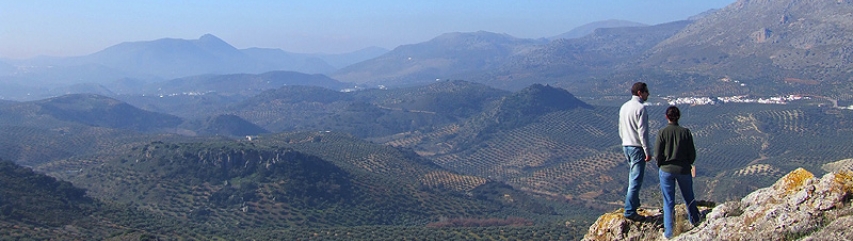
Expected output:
{"points": [[798, 206], [613, 225]]}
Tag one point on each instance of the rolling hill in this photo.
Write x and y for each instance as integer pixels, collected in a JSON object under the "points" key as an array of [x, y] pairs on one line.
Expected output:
{"points": [[37, 132], [100, 111], [369, 113], [296, 180]]}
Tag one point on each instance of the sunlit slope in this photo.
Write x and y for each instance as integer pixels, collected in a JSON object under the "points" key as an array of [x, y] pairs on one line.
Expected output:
{"points": [[577, 153]]}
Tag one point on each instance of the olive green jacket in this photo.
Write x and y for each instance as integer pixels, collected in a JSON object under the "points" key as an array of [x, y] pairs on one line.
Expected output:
{"points": [[674, 150]]}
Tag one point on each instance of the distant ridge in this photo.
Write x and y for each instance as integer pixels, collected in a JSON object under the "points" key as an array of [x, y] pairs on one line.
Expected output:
{"points": [[448, 56], [158, 60], [173, 58], [586, 29], [572, 63], [243, 84], [96, 110]]}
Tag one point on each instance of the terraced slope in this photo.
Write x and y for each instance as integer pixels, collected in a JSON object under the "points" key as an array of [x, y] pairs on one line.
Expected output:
{"points": [[575, 154], [315, 179]]}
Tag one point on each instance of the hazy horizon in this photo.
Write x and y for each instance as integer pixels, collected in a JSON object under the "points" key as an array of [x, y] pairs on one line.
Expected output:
{"points": [[45, 28]]}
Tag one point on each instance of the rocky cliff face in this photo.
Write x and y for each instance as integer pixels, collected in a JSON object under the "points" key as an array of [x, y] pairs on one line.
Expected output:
{"points": [[798, 206]]}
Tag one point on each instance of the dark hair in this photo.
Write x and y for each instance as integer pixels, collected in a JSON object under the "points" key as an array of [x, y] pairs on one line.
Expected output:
{"points": [[673, 114], [639, 86]]}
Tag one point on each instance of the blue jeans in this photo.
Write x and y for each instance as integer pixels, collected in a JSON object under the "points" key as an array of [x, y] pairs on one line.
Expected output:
{"points": [[636, 169], [667, 187]]}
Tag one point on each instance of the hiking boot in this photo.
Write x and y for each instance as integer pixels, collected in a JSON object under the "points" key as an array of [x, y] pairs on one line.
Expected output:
{"points": [[636, 217]]}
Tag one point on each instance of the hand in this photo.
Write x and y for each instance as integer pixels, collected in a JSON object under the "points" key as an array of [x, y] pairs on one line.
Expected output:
{"points": [[648, 158]]}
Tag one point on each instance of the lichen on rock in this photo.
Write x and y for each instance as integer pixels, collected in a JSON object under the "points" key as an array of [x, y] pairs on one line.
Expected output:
{"points": [[798, 206]]}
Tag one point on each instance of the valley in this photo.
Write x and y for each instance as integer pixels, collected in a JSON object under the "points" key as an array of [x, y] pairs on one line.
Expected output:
{"points": [[420, 155], [465, 136]]}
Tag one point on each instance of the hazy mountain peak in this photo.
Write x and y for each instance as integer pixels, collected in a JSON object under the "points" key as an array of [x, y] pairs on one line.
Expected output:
{"points": [[209, 37], [213, 43]]}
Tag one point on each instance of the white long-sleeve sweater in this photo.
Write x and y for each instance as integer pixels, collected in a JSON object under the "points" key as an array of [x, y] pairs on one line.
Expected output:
{"points": [[634, 124]]}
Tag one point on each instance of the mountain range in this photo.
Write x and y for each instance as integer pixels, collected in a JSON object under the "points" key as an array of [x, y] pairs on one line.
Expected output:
{"points": [[771, 46], [466, 136], [156, 61], [768, 47]]}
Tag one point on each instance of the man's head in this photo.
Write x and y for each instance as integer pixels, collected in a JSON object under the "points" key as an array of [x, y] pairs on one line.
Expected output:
{"points": [[640, 89], [673, 114]]}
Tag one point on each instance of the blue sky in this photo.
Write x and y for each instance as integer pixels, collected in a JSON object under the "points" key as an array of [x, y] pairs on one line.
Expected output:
{"points": [[31, 28]]}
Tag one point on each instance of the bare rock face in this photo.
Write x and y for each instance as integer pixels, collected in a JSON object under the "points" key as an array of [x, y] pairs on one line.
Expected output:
{"points": [[798, 206]]}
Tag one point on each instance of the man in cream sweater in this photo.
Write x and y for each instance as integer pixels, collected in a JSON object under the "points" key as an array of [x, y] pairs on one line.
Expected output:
{"points": [[634, 131]]}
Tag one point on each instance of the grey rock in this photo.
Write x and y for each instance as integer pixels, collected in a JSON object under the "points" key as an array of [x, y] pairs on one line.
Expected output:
{"points": [[797, 206]]}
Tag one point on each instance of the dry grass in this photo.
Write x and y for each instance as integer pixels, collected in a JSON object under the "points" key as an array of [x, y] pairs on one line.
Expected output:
{"points": [[758, 170], [846, 164]]}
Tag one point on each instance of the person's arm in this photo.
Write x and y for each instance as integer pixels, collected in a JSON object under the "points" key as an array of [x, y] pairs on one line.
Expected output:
{"points": [[659, 143], [691, 149], [643, 129]]}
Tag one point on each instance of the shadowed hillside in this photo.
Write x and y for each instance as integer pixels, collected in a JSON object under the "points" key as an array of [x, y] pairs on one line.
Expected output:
{"points": [[35, 206], [297, 180], [41, 131], [102, 111]]}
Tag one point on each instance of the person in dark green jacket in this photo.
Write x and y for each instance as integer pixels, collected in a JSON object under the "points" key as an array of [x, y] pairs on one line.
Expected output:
{"points": [[675, 154]]}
